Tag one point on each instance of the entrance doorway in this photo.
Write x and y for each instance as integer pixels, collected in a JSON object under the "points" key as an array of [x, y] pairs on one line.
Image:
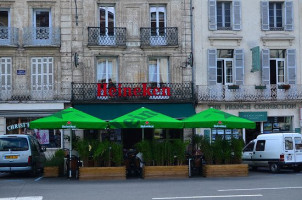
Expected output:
{"points": [[251, 134]]}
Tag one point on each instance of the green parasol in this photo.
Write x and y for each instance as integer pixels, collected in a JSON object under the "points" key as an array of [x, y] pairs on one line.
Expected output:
{"points": [[69, 118], [145, 118], [213, 118]]}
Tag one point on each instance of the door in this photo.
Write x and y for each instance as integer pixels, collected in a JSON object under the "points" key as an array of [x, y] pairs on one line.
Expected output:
{"points": [[247, 155], [289, 151], [298, 149], [42, 31], [277, 71], [107, 24], [225, 71], [158, 25], [259, 154]]}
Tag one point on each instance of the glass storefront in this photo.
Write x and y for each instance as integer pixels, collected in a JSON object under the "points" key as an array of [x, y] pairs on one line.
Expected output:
{"points": [[277, 124]]}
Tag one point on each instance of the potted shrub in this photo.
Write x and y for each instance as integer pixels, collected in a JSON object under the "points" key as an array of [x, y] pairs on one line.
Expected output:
{"points": [[233, 87], [167, 159], [284, 86], [226, 159], [109, 156], [54, 166], [260, 87]]}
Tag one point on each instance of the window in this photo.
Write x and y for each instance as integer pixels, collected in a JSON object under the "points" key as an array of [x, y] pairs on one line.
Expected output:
{"points": [[107, 70], [6, 73], [277, 16], [224, 15], [249, 147], [260, 146], [226, 66], [42, 73], [298, 143], [4, 24], [158, 70], [107, 20], [158, 20], [42, 22], [288, 143], [278, 66]]}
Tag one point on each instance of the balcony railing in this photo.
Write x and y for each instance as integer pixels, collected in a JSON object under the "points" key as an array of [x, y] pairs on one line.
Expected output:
{"points": [[9, 36], [106, 36], [165, 36], [42, 36], [132, 92], [248, 93], [50, 92]]}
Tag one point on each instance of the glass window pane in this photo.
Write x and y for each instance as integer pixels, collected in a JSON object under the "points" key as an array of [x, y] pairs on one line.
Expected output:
{"points": [[288, 143]]}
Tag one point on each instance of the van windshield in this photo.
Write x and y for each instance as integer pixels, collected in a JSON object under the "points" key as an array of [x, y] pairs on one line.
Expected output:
{"points": [[13, 144]]}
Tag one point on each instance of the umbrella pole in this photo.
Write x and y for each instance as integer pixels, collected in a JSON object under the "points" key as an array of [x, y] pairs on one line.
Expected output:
{"points": [[70, 149], [143, 134]]}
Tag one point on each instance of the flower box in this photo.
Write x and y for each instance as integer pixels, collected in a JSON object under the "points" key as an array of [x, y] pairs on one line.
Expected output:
{"points": [[226, 170], [51, 172], [233, 87], [102, 173], [285, 87], [177, 171], [260, 87]]}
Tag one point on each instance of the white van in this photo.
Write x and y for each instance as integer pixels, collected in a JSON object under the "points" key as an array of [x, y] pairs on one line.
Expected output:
{"points": [[21, 153], [275, 150]]}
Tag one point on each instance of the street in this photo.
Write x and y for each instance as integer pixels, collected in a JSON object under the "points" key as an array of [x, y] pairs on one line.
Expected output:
{"points": [[260, 185]]}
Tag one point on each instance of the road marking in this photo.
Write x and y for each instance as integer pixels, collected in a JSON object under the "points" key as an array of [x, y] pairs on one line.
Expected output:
{"points": [[37, 179], [249, 189], [208, 197], [23, 198]]}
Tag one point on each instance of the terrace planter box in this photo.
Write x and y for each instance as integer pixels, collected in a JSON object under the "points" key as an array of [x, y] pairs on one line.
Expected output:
{"points": [[51, 172], [154, 172], [285, 87], [102, 173], [229, 170]]}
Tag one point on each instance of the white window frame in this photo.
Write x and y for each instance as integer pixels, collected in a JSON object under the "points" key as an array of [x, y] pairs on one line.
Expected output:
{"points": [[224, 70], [6, 77], [107, 39], [223, 27], [6, 40], [275, 15], [157, 9], [277, 60], [42, 80], [107, 72], [158, 69]]}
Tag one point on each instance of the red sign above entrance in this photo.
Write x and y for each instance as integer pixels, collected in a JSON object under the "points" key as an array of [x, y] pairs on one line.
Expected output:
{"points": [[105, 90]]}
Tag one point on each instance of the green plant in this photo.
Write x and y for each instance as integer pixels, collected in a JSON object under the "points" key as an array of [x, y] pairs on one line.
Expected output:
{"points": [[236, 148], [218, 153], [117, 153], [57, 160], [179, 148], [82, 147], [103, 152], [145, 147], [207, 150]]}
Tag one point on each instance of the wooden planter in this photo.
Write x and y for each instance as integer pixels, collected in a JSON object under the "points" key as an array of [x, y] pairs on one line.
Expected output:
{"points": [[51, 172], [153, 172], [225, 170], [102, 173]]}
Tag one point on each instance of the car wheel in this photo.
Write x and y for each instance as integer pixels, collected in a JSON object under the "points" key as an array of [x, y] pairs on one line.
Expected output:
{"points": [[274, 167]]}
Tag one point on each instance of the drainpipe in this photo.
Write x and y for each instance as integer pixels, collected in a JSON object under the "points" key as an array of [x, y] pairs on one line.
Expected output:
{"points": [[192, 43]]}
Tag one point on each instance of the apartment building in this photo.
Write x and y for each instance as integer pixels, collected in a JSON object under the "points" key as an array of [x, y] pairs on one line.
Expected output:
{"points": [[246, 59], [105, 58]]}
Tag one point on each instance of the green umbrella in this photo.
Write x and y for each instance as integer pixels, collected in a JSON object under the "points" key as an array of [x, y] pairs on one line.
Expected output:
{"points": [[145, 118], [69, 118], [213, 118]]}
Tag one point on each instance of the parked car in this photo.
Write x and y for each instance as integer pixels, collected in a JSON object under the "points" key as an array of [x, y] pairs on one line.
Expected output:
{"points": [[21, 153], [276, 151]]}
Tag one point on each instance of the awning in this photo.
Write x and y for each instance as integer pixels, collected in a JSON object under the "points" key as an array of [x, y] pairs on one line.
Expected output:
{"points": [[114, 110]]}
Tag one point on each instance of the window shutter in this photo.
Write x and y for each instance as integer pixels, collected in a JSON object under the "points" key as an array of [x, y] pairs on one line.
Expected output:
{"points": [[239, 66], [265, 15], [212, 67], [291, 66], [212, 15], [265, 66], [289, 25], [237, 15]]}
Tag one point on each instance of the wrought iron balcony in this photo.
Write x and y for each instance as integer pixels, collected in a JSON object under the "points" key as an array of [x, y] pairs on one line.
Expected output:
{"points": [[50, 92], [164, 36], [106, 36], [131, 92], [9, 36], [42, 36], [248, 93]]}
